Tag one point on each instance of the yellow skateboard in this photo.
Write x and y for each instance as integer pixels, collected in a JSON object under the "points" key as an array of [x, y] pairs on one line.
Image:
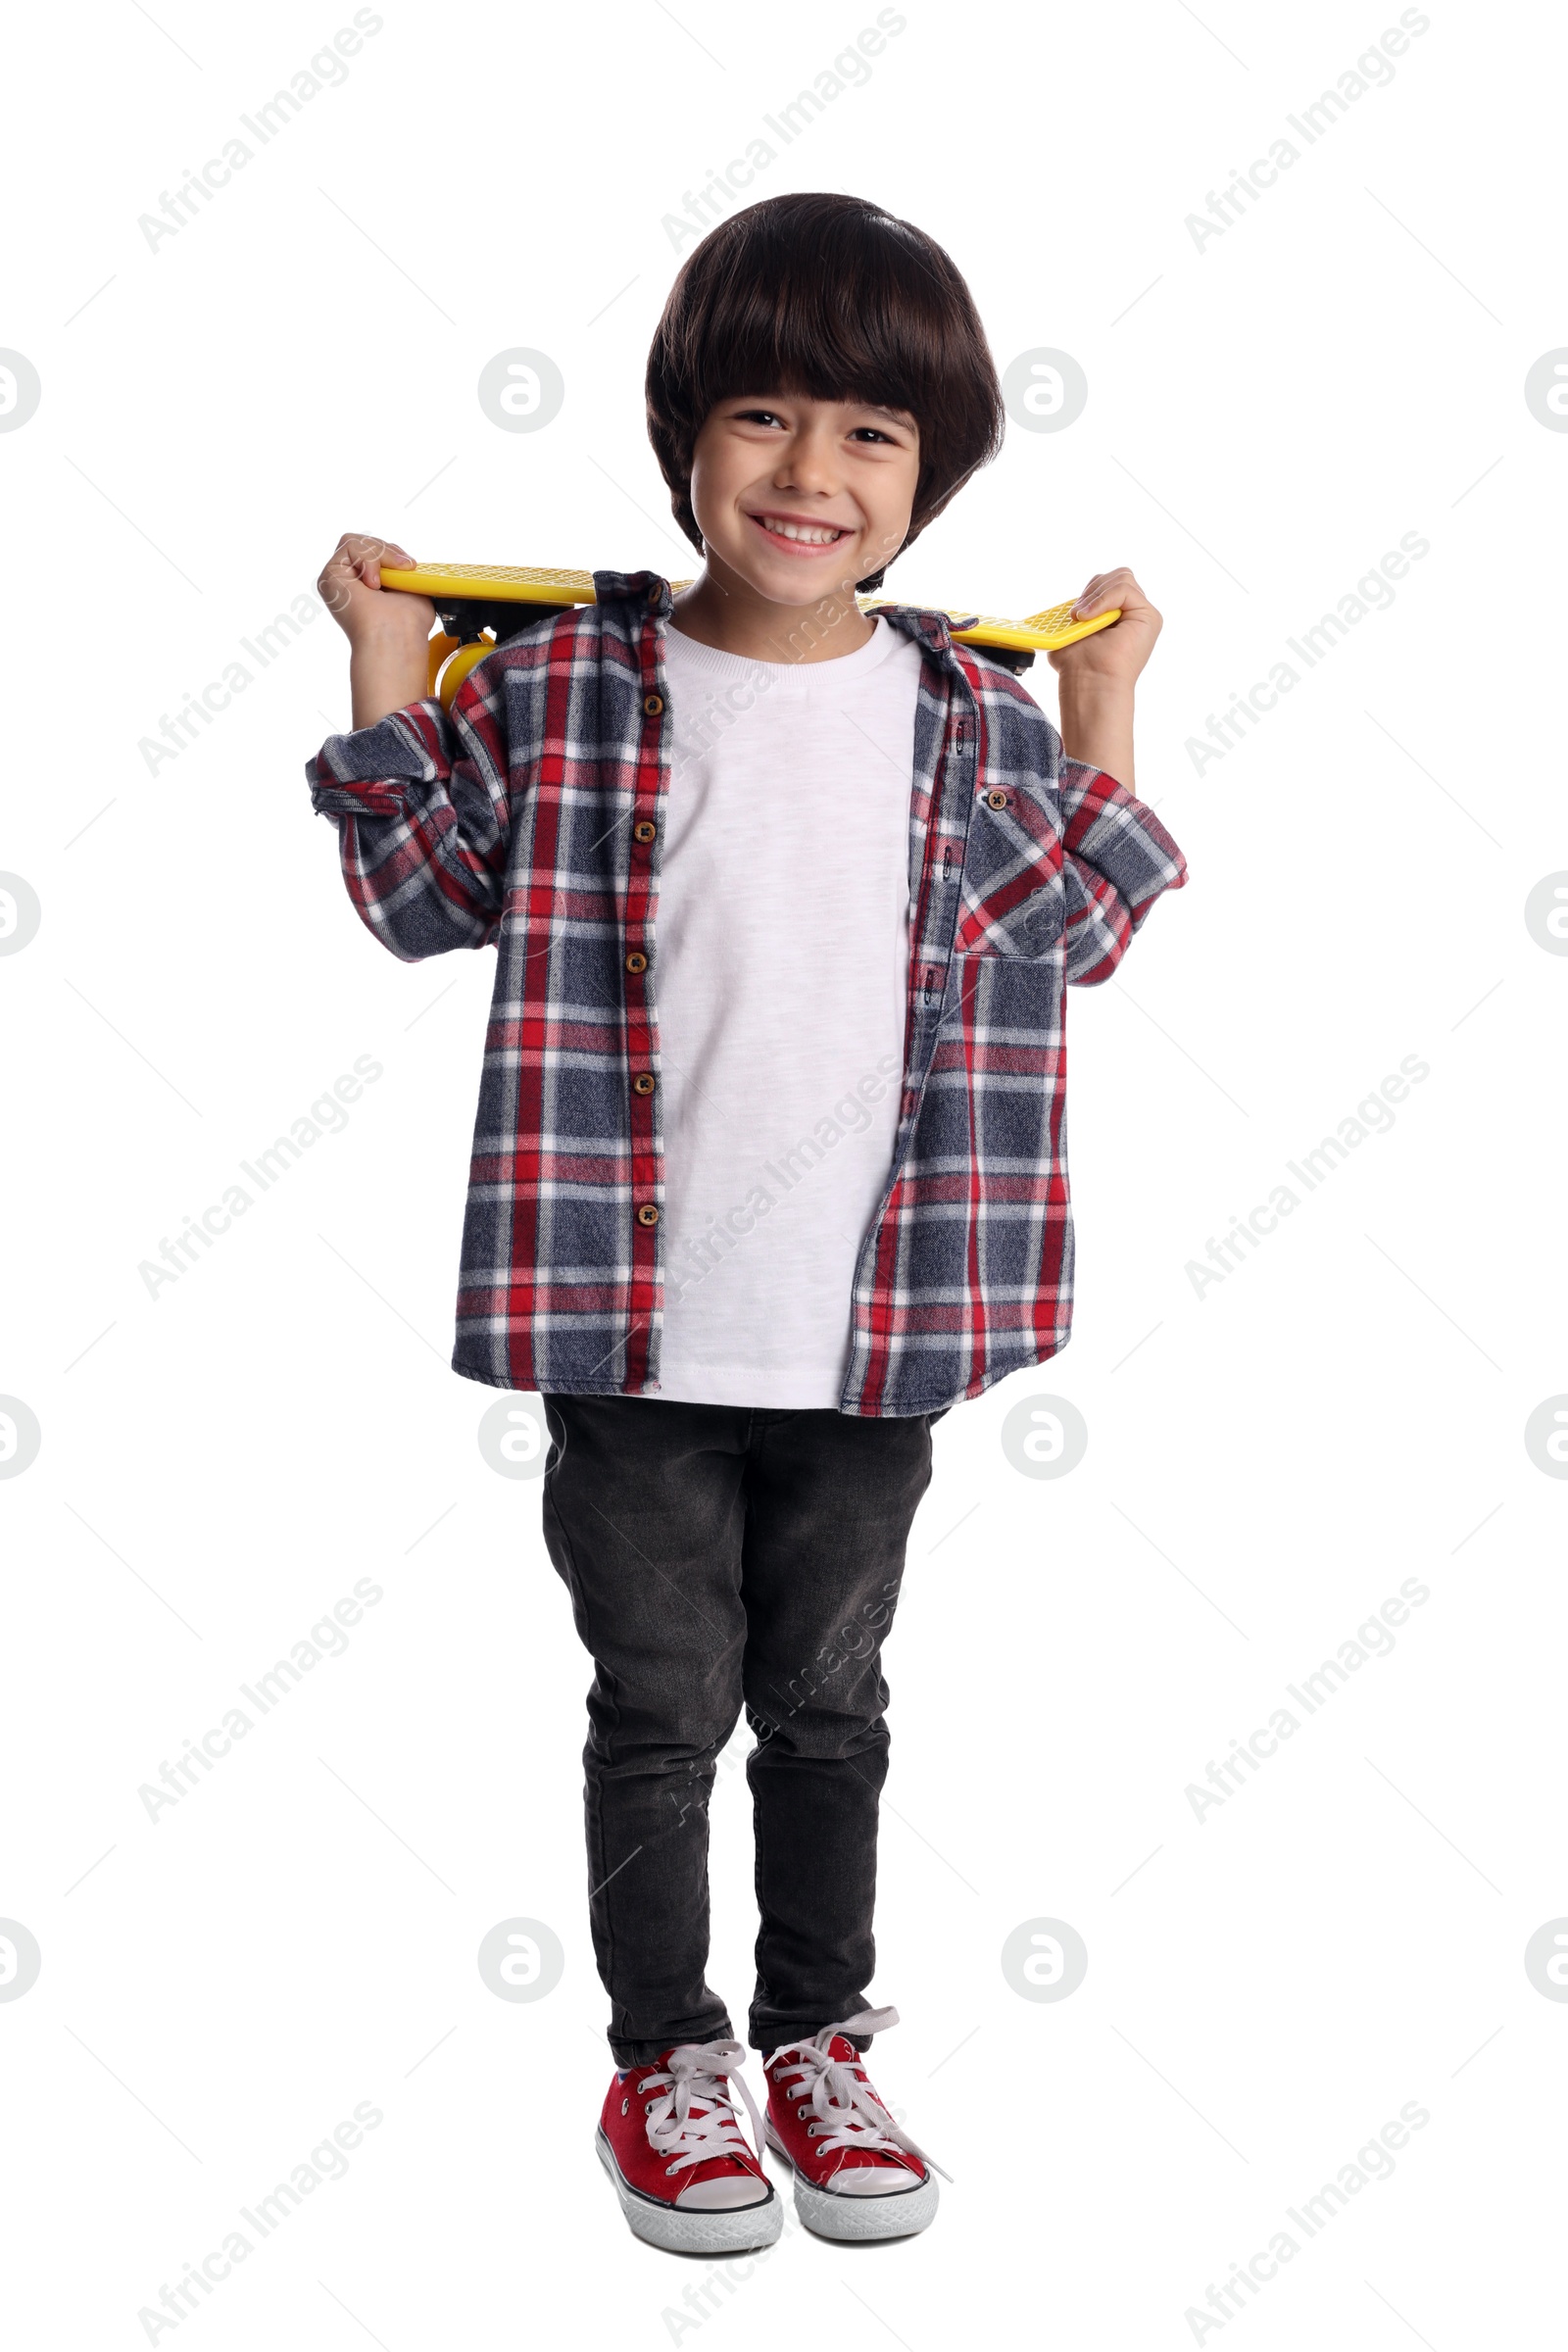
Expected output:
{"points": [[477, 608]]}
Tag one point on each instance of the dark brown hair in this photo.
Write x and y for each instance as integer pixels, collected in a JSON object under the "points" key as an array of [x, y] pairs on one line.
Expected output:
{"points": [[831, 297]]}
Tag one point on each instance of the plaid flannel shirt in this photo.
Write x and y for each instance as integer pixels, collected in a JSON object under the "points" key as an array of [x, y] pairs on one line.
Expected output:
{"points": [[533, 817]]}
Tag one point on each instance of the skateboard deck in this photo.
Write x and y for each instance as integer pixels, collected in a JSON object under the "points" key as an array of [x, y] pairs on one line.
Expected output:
{"points": [[472, 599]]}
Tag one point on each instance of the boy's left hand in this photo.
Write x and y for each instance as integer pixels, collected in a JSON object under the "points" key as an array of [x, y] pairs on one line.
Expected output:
{"points": [[1113, 656]]}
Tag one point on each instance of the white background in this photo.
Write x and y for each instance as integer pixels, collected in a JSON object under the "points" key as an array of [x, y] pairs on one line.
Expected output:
{"points": [[1267, 1985]]}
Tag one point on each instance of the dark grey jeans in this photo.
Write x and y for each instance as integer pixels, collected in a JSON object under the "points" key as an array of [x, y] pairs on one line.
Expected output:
{"points": [[721, 1555]]}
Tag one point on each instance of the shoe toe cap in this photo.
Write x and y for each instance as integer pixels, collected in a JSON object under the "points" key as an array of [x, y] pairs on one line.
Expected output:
{"points": [[873, 2181], [725, 2193]]}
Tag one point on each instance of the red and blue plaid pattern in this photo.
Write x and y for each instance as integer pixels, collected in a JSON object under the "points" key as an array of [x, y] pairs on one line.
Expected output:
{"points": [[532, 816]]}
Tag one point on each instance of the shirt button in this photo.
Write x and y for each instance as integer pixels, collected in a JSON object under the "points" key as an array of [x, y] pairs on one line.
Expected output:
{"points": [[648, 1214], [995, 800], [653, 704], [643, 831], [643, 1085], [636, 963]]}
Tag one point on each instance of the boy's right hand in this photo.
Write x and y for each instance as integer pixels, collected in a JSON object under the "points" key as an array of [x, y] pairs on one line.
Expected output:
{"points": [[350, 587], [388, 632]]}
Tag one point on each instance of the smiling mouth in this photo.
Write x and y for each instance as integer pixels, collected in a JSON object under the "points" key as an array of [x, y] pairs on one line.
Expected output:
{"points": [[799, 538]]}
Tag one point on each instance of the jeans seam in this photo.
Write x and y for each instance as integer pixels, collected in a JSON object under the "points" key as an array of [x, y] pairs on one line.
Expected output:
{"points": [[574, 1590]]}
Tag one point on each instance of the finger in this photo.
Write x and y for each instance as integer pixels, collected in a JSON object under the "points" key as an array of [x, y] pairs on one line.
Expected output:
{"points": [[361, 547], [336, 583], [1117, 588], [387, 552], [340, 573]]}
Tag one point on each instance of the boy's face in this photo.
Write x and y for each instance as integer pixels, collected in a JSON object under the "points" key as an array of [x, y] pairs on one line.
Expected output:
{"points": [[841, 473]]}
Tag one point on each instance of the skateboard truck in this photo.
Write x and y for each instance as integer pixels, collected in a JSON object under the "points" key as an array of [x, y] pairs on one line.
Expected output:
{"points": [[481, 605]]}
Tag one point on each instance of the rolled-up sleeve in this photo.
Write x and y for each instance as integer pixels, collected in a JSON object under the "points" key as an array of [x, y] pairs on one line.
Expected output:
{"points": [[421, 805], [1118, 859]]}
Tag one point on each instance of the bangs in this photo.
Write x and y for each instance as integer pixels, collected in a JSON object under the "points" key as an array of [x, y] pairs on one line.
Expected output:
{"points": [[857, 319]]}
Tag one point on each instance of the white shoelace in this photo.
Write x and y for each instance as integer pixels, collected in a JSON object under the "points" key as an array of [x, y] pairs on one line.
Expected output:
{"points": [[697, 2076], [853, 2115]]}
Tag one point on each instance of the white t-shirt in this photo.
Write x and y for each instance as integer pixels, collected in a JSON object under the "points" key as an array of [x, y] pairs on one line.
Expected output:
{"points": [[780, 972]]}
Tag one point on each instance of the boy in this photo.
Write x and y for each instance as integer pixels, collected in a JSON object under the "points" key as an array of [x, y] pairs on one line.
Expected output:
{"points": [[768, 1167]]}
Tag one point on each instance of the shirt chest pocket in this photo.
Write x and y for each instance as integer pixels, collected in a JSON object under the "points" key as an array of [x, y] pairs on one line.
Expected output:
{"points": [[1011, 900]]}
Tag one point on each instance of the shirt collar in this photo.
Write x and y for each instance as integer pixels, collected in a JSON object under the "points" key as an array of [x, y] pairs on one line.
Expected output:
{"points": [[651, 591], [645, 588]]}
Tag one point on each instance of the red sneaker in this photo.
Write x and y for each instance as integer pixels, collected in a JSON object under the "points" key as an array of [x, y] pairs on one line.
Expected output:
{"points": [[857, 2173], [684, 2172]]}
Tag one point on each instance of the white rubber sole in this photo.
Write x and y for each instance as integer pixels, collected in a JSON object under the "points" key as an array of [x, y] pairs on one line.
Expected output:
{"points": [[678, 2233], [901, 2214]]}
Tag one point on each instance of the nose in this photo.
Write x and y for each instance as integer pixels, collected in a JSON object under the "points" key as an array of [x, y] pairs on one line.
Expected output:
{"points": [[808, 463]]}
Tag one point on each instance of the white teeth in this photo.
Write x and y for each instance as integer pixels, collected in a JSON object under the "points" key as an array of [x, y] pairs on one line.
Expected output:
{"points": [[814, 534]]}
